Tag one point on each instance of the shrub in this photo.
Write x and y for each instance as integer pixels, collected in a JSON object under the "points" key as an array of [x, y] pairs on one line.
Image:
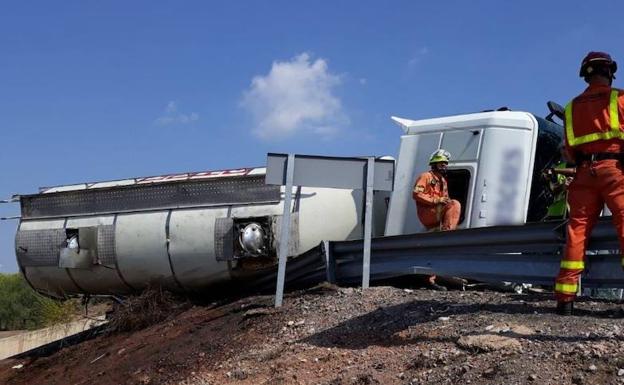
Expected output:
{"points": [[22, 308]]}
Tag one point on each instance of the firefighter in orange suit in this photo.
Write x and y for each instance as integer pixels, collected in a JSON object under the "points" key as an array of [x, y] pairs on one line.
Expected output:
{"points": [[435, 209], [594, 140]]}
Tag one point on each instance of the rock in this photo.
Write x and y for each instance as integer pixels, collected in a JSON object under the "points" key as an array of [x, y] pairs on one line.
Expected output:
{"points": [[488, 343], [239, 374], [488, 373], [364, 379], [578, 379], [532, 377], [592, 368], [516, 329], [522, 330], [378, 366], [144, 379], [290, 323], [408, 291], [444, 318], [258, 312], [620, 372]]}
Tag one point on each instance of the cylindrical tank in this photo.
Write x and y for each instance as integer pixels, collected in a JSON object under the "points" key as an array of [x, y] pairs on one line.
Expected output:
{"points": [[185, 232]]}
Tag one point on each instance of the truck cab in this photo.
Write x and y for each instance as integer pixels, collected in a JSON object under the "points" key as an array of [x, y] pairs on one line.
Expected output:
{"points": [[495, 169]]}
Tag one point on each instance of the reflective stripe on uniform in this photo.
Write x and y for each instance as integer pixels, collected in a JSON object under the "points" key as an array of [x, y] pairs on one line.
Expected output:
{"points": [[572, 265], [614, 122], [566, 288]]}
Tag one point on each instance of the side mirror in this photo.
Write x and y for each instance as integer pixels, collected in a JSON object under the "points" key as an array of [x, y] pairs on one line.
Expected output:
{"points": [[555, 110]]}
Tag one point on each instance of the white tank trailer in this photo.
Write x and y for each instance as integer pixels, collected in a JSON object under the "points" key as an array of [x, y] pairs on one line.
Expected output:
{"points": [[194, 230], [185, 232]]}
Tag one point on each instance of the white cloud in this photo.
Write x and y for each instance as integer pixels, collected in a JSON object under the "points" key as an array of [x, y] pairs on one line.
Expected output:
{"points": [[295, 96], [171, 108], [418, 57], [171, 116]]}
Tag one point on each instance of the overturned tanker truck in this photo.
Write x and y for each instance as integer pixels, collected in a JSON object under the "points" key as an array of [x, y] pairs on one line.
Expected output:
{"points": [[191, 231]]}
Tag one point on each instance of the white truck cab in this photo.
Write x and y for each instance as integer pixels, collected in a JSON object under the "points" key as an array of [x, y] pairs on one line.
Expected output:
{"points": [[496, 161]]}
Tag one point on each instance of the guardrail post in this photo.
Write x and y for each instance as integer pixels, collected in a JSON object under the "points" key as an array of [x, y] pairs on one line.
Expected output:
{"points": [[284, 231], [330, 263], [368, 221]]}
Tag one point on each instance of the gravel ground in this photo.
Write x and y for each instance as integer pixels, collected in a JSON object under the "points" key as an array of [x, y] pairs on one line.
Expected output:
{"points": [[343, 336]]}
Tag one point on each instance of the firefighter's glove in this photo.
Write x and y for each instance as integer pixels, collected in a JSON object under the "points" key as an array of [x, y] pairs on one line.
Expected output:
{"points": [[441, 200]]}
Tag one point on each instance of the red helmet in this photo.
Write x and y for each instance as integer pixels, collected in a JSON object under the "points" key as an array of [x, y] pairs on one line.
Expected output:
{"points": [[597, 60]]}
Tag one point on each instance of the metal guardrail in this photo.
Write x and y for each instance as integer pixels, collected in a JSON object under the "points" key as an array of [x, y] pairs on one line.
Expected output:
{"points": [[528, 253], [290, 170]]}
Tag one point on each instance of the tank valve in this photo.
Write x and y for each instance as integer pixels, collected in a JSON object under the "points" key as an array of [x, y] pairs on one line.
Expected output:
{"points": [[252, 239]]}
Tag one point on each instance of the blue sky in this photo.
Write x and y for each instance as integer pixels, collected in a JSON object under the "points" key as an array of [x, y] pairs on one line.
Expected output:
{"points": [[93, 90]]}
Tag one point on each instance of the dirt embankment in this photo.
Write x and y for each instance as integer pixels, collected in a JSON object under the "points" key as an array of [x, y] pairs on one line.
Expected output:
{"points": [[333, 336]]}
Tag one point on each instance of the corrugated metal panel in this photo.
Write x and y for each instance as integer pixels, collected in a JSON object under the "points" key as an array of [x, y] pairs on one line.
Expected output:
{"points": [[106, 245], [39, 247], [210, 192], [224, 239]]}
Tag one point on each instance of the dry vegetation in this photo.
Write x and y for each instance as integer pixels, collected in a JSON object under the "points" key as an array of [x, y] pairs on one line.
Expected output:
{"points": [[152, 306]]}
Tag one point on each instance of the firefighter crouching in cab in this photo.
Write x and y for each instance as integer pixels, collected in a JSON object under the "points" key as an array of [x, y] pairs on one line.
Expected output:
{"points": [[594, 140], [436, 211], [559, 179]]}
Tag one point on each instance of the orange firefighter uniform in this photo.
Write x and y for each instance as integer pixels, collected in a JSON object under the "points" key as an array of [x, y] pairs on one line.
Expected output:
{"points": [[429, 192], [595, 139]]}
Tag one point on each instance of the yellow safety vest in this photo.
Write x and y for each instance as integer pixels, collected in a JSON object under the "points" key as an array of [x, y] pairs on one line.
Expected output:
{"points": [[614, 120]]}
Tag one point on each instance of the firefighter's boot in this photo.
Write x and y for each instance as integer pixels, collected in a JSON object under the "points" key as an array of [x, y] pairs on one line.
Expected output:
{"points": [[565, 308]]}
